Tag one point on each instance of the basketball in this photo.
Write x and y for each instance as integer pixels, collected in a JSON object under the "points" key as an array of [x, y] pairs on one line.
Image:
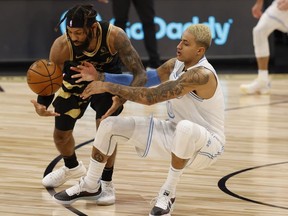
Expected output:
{"points": [[44, 77]]}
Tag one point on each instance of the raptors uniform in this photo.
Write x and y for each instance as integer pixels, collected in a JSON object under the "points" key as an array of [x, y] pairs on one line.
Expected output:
{"points": [[68, 103], [194, 130]]}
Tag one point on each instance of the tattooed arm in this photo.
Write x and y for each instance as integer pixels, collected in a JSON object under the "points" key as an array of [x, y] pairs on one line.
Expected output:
{"points": [[120, 43], [200, 80], [165, 69]]}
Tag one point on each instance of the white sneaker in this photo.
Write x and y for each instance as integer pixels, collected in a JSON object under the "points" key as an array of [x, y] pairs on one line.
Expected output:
{"points": [[63, 174], [107, 196], [79, 191], [258, 86], [163, 205]]}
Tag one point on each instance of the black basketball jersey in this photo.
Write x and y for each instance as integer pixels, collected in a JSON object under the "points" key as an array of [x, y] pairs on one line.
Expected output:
{"points": [[101, 58]]}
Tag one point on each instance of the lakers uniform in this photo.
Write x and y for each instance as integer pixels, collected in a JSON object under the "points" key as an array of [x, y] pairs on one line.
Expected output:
{"points": [[194, 129]]}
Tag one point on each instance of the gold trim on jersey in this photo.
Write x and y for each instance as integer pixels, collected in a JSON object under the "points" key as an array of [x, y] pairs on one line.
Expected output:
{"points": [[69, 47], [98, 43], [107, 40]]}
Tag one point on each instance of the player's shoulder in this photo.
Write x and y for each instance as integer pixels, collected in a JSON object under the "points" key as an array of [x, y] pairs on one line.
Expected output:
{"points": [[60, 43], [117, 39], [60, 50], [116, 32], [61, 40]]}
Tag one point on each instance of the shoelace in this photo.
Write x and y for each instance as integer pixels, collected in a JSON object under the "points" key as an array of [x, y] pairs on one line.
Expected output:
{"points": [[162, 202], [76, 189]]}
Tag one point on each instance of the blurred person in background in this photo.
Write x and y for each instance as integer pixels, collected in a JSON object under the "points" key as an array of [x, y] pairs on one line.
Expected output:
{"points": [[274, 18], [146, 13]]}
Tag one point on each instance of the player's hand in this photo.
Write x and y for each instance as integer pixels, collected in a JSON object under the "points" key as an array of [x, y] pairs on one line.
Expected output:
{"points": [[282, 5], [42, 111], [95, 87], [117, 102], [257, 10], [86, 72]]}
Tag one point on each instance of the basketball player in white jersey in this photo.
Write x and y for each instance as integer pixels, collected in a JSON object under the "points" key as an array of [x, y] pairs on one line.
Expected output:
{"points": [[274, 18], [193, 136]]}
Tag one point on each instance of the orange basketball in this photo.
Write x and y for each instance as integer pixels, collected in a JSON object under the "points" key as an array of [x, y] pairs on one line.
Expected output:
{"points": [[44, 77]]}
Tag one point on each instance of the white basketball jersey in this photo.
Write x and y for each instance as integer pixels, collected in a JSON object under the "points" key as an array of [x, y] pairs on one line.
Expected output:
{"points": [[208, 113]]}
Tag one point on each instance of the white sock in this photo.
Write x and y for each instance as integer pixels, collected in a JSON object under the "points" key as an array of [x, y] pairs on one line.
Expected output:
{"points": [[94, 174], [263, 75], [172, 180]]}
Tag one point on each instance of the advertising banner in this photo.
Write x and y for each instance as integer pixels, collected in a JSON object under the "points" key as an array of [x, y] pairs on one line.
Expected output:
{"points": [[28, 26]]}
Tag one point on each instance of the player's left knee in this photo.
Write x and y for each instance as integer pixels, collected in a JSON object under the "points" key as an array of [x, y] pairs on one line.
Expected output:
{"points": [[108, 123], [186, 136]]}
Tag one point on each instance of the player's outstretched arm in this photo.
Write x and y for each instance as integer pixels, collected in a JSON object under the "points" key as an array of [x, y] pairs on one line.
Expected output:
{"points": [[87, 72], [194, 79], [41, 110]]}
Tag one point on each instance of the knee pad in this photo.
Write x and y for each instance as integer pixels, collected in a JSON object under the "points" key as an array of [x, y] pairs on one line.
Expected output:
{"points": [[111, 131], [185, 140], [261, 43], [261, 33], [104, 137]]}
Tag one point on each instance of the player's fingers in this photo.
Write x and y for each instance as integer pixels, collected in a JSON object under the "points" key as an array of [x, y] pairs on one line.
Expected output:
{"points": [[77, 69], [108, 113], [79, 80], [76, 75], [54, 114], [50, 113], [116, 104], [87, 64], [34, 102], [84, 95], [37, 105]]}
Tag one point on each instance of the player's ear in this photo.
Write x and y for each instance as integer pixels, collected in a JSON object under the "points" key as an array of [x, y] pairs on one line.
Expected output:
{"points": [[93, 27], [201, 51]]}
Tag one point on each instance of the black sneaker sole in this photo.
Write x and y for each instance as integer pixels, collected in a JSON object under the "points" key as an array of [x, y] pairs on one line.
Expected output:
{"points": [[64, 199], [69, 202]]}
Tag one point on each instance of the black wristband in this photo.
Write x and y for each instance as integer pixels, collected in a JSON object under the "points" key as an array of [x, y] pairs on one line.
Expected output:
{"points": [[45, 100]]}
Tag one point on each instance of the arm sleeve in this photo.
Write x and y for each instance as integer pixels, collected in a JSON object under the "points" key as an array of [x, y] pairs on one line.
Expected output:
{"points": [[45, 100], [126, 79]]}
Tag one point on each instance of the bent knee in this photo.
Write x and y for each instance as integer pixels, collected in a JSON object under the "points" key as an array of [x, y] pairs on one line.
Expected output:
{"points": [[60, 136], [260, 31], [186, 139], [185, 127], [109, 123]]}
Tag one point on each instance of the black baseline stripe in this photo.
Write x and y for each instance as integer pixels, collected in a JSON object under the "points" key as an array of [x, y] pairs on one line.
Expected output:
{"points": [[222, 185]]}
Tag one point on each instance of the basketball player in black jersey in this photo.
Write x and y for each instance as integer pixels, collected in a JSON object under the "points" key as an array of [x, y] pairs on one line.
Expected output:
{"points": [[106, 47]]}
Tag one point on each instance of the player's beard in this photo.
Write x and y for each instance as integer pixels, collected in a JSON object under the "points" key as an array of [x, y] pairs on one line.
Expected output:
{"points": [[84, 46]]}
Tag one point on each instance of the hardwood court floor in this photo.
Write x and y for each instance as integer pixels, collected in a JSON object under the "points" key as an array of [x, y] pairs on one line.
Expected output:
{"points": [[250, 179]]}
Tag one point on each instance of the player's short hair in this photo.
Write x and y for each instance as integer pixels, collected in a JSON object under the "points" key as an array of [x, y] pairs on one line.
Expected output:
{"points": [[202, 34]]}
